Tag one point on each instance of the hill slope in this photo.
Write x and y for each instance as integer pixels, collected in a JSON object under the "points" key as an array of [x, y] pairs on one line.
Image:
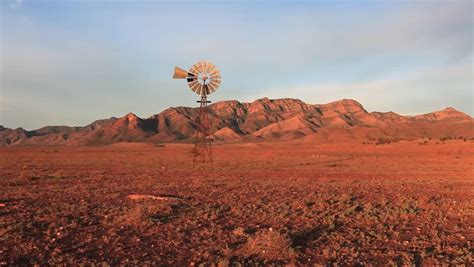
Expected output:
{"points": [[261, 120]]}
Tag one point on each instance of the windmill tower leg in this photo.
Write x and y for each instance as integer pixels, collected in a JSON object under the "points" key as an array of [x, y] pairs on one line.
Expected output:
{"points": [[202, 146]]}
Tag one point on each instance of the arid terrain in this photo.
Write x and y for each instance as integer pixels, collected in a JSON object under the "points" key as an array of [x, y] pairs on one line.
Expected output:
{"points": [[299, 202], [262, 120]]}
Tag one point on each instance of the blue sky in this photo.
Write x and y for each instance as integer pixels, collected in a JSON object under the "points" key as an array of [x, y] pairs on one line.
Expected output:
{"points": [[71, 62]]}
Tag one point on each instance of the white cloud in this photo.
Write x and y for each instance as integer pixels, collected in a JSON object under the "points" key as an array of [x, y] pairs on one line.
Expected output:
{"points": [[421, 91], [108, 63], [311, 35]]}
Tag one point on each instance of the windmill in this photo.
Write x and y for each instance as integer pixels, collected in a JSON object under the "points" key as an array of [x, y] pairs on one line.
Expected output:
{"points": [[203, 78]]}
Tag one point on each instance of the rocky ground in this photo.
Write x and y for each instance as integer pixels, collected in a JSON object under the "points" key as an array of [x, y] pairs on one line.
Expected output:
{"points": [[398, 203]]}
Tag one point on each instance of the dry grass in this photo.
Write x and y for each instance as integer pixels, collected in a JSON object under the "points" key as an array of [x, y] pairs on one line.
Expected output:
{"points": [[399, 203], [268, 245]]}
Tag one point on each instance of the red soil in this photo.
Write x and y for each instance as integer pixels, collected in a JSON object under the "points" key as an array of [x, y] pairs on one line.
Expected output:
{"points": [[399, 203]]}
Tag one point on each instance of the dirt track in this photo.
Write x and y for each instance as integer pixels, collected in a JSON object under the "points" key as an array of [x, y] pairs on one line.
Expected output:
{"points": [[282, 203]]}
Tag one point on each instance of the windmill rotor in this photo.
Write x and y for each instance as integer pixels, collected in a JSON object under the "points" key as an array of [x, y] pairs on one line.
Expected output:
{"points": [[203, 77]]}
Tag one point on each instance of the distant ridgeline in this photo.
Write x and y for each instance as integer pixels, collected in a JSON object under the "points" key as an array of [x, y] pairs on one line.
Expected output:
{"points": [[261, 120]]}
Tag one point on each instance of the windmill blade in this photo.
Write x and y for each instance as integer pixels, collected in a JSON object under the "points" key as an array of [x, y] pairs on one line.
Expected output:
{"points": [[193, 83], [198, 89], [206, 66], [216, 81], [203, 66], [212, 87], [194, 86], [195, 73], [199, 67], [206, 89], [216, 77], [215, 85], [191, 77], [194, 70], [210, 67], [214, 72], [202, 91]]}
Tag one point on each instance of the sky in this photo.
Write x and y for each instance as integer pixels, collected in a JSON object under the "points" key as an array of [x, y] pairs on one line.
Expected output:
{"points": [[72, 62]]}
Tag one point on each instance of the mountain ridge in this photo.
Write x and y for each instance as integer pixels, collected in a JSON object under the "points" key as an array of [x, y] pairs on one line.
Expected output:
{"points": [[264, 119]]}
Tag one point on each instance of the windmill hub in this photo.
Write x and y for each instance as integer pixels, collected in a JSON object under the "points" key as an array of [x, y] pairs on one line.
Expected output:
{"points": [[203, 77]]}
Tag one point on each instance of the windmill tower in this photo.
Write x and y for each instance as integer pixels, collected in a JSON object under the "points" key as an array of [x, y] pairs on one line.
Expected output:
{"points": [[203, 78]]}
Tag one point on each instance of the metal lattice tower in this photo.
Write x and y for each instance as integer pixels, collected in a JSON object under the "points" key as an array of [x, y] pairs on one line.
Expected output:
{"points": [[203, 143], [203, 78]]}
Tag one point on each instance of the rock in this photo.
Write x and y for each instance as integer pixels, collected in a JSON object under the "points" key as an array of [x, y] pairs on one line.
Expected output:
{"points": [[137, 197]]}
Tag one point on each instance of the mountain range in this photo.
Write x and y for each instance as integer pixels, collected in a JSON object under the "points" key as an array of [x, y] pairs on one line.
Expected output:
{"points": [[261, 120]]}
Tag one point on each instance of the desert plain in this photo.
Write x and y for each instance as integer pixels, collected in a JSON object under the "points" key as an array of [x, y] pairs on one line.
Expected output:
{"points": [[296, 203]]}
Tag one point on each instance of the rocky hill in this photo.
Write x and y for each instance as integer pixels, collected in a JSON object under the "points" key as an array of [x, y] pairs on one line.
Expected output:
{"points": [[261, 120]]}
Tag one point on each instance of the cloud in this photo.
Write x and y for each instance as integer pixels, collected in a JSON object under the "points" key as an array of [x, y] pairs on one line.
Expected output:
{"points": [[421, 91], [309, 43], [106, 60], [304, 35]]}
